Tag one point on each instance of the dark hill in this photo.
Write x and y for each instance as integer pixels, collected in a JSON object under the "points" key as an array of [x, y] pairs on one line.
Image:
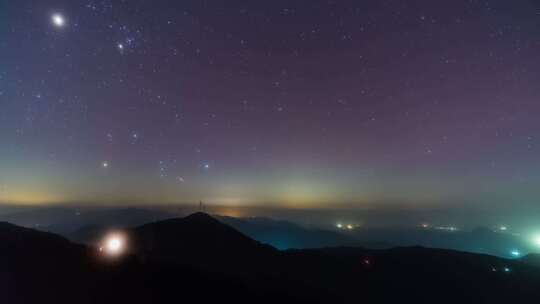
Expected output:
{"points": [[199, 259], [40, 267], [532, 259], [237, 266], [30, 259], [200, 241]]}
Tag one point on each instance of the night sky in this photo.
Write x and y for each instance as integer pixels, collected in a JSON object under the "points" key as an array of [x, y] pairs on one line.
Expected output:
{"points": [[297, 104]]}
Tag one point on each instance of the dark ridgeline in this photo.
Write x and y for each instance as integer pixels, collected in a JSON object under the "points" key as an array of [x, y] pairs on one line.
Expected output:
{"points": [[197, 259], [89, 226], [200, 241], [532, 259]]}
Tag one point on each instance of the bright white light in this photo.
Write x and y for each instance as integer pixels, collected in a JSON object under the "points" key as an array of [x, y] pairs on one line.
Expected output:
{"points": [[506, 269], [58, 20], [114, 244], [503, 228], [536, 240], [105, 165], [120, 46], [339, 225], [350, 227], [515, 253]]}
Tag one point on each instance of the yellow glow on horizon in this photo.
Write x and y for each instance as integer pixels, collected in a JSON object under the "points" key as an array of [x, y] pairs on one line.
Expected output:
{"points": [[30, 198]]}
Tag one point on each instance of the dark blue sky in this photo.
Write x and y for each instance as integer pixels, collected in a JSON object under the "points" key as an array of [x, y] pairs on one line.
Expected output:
{"points": [[298, 104]]}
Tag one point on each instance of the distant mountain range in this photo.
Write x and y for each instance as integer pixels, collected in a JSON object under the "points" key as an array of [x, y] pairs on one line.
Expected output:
{"points": [[88, 226], [67, 220], [200, 259]]}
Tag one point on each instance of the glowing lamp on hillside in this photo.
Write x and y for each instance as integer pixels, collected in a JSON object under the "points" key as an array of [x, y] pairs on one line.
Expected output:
{"points": [[113, 245]]}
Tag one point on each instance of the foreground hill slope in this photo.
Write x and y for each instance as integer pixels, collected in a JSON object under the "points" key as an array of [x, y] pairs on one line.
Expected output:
{"points": [[199, 259], [201, 242]]}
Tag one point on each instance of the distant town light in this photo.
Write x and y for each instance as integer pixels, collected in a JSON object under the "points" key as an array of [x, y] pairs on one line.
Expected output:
{"points": [[503, 228], [515, 253], [346, 226], [451, 228]]}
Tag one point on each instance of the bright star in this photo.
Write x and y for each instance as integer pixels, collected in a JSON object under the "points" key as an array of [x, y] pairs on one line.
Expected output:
{"points": [[58, 20], [105, 165]]}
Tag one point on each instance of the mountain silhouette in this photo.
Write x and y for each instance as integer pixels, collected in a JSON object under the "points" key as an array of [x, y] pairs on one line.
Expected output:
{"points": [[532, 259], [286, 235], [67, 221], [30, 258], [202, 242], [88, 225], [200, 259]]}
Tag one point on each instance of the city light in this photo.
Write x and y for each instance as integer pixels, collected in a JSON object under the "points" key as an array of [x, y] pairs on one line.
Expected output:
{"points": [[446, 228], [515, 253], [346, 226]]}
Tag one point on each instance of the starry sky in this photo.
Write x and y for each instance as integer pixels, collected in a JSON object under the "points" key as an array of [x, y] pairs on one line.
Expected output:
{"points": [[294, 104]]}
